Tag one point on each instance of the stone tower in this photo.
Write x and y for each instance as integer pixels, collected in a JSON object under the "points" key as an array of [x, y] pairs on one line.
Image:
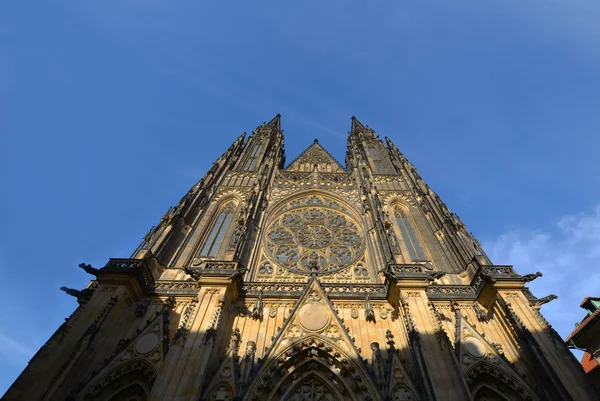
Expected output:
{"points": [[312, 282]]}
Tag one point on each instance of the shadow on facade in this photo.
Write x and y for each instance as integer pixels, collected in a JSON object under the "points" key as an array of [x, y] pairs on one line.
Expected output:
{"points": [[147, 351]]}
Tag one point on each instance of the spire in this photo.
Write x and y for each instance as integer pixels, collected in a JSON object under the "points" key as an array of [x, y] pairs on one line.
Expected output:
{"points": [[275, 122], [356, 126]]}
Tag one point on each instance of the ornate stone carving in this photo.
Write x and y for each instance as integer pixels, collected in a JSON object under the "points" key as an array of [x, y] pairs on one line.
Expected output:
{"points": [[314, 234], [369, 312]]}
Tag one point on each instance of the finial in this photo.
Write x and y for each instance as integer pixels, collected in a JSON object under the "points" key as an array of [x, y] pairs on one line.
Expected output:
{"points": [[316, 140]]}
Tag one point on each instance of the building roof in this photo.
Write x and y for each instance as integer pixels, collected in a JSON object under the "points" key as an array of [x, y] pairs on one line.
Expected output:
{"points": [[588, 299], [589, 363], [583, 324]]}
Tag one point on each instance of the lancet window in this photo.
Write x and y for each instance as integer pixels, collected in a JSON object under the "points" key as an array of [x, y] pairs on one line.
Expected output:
{"points": [[252, 158], [217, 233], [379, 163], [415, 251]]}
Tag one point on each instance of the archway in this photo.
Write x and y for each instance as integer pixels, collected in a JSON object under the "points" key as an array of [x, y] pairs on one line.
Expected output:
{"points": [[134, 392], [490, 383], [487, 394], [314, 358], [131, 381]]}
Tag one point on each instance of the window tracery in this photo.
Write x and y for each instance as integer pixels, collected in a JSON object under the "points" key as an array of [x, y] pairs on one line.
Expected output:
{"points": [[312, 389], [217, 233], [409, 235], [314, 234], [252, 158]]}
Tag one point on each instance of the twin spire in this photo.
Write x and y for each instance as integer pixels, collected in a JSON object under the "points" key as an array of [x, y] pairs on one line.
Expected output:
{"points": [[355, 127]]}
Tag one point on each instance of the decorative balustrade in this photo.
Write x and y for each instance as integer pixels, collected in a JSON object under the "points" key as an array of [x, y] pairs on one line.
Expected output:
{"points": [[499, 270], [124, 264], [407, 268], [137, 267], [219, 265], [376, 291]]}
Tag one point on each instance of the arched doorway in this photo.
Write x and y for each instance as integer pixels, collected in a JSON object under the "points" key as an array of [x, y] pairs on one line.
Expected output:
{"points": [[490, 383], [487, 394], [315, 368], [135, 392], [131, 381]]}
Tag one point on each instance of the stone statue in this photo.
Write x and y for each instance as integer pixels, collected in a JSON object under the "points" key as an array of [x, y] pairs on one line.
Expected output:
{"points": [[369, 312], [247, 364], [258, 307], [378, 365]]}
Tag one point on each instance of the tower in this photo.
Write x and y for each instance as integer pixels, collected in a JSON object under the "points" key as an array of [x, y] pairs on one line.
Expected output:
{"points": [[311, 281]]}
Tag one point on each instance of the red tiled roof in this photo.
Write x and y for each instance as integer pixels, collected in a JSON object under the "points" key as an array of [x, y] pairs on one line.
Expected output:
{"points": [[588, 362], [589, 299], [583, 323]]}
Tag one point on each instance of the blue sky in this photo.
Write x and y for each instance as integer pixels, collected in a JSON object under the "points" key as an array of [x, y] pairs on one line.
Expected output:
{"points": [[111, 110]]}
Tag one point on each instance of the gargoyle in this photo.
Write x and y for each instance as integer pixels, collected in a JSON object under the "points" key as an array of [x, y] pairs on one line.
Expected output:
{"points": [[238, 273], [480, 313], [195, 273], [530, 277], [541, 301], [89, 269], [435, 276], [487, 277], [81, 295]]}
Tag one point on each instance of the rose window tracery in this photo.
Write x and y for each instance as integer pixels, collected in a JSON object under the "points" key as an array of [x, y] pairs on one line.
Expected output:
{"points": [[314, 234]]}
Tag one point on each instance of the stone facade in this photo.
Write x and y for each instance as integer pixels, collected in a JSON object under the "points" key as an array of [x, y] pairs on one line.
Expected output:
{"points": [[313, 281]]}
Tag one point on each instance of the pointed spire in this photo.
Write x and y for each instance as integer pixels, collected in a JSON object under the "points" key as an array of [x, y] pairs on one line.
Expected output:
{"points": [[275, 122], [356, 126]]}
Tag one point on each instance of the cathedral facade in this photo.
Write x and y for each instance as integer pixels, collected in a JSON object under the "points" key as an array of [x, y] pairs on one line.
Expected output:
{"points": [[308, 282]]}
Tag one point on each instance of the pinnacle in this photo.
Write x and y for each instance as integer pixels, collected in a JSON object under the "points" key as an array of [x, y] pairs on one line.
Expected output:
{"points": [[356, 125], [275, 122]]}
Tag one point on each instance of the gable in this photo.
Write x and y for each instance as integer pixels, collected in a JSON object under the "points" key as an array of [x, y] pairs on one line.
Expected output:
{"points": [[315, 156]]}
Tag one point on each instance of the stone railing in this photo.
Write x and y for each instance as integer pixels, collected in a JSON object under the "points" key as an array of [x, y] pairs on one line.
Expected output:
{"points": [[408, 268], [451, 292], [499, 270], [375, 291], [137, 267], [124, 264], [219, 265]]}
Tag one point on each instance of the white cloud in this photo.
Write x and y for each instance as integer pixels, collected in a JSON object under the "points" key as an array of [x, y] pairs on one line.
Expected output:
{"points": [[569, 258]]}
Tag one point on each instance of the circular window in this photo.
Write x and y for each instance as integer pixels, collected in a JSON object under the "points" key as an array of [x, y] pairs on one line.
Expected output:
{"points": [[314, 235]]}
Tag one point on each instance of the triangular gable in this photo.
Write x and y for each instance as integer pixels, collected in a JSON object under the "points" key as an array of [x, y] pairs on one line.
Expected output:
{"points": [[313, 341], [145, 353], [313, 314], [223, 385], [400, 386], [315, 155], [476, 355]]}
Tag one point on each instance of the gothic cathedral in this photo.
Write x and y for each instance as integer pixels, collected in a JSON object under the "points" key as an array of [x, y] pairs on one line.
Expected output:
{"points": [[307, 282]]}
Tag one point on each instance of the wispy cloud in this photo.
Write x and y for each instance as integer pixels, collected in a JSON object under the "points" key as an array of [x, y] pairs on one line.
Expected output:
{"points": [[568, 256], [15, 351]]}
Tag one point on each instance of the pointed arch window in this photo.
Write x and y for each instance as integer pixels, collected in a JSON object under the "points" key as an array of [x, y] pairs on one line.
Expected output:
{"points": [[378, 160], [252, 160], [217, 233], [409, 235]]}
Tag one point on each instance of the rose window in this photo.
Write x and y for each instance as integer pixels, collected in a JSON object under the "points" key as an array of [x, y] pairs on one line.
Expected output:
{"points": [[314, 237]]}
